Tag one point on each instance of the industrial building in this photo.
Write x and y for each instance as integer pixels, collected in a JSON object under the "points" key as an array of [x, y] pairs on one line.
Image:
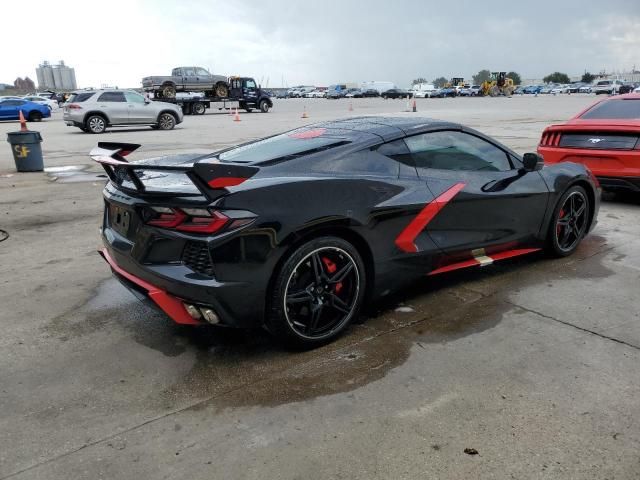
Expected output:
{"points": [[56, 77]]}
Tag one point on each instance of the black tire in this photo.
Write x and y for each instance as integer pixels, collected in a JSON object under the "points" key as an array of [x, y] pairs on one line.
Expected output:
{"points": [[328, 278], [264, 106], [35, 116], [168, 91], [569, 222], [96, 124], [198, 108], [166, 121], [221, 90]]}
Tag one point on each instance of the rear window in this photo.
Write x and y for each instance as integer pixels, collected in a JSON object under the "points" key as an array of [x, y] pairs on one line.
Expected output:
{"points": [[282, 147], [604, 82], [622, 109], [80, 97]]}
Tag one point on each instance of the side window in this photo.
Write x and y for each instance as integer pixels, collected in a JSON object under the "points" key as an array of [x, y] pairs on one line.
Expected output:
{"points": [[250, 84], [396, 150], [188, 72], [235, 84], [449, 150], [364, 162], [111, 97], [133, 97], [202, 72]]}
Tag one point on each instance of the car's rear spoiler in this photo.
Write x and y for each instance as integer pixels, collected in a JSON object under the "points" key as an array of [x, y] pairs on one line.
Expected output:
{"points": [[209, 176]]}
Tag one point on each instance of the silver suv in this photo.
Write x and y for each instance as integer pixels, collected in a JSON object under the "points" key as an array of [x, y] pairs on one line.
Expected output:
{"points": [[95, 110]]}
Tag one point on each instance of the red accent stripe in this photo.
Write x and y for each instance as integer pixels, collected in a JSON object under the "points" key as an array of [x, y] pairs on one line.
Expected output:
{"points": [[512, 253], [455, 266], [406, 240], [222, 182], [168, 303], [474, 263]]}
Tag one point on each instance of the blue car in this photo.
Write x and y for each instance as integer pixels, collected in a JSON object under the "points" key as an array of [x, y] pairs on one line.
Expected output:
{"points": [[34, 112], [532, 89]]}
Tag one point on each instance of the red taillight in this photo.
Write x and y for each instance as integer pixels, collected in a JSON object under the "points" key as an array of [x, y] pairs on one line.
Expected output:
{"points": [[550, 139], [168, 219], [74, 106], [196, 220], [204, 224]]}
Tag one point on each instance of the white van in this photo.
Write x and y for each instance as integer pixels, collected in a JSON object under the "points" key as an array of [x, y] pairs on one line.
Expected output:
{"points": [[423, 90]]}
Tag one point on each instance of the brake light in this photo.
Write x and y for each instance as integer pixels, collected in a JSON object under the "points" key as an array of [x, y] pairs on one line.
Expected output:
{"points": [[194, 220], [205, 224], [74, 106]]}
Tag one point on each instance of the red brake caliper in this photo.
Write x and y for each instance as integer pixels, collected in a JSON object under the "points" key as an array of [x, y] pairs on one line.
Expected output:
{"points": [[331, 268], [559, 227]]}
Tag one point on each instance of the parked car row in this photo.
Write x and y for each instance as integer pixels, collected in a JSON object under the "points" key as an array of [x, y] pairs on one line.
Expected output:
{"points": [[608, 87], [10, 108]]}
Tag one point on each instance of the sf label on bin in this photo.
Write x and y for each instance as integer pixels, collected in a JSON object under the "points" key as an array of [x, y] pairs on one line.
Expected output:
{"points": [[21, 151]]}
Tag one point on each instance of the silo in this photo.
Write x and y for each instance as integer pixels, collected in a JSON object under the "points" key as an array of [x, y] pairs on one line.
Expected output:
{"points": [[40, 77], [47, 73], [57, 77]]}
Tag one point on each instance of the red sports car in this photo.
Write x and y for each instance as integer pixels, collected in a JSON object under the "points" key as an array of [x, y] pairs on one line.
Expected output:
{"points": [[605, 137]]}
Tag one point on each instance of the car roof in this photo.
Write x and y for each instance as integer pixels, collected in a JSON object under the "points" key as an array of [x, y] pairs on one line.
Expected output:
{"points": [[387, 128]]}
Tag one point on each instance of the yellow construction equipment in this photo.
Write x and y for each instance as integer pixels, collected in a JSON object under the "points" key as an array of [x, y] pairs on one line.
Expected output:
{"points": [[499, 84]]}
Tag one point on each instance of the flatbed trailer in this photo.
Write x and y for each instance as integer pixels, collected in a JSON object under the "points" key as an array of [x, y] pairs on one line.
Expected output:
{"points": [[244, 94]]}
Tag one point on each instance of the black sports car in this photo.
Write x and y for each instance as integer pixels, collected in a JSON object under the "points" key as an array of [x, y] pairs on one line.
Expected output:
{"points": [[395, 93], [296, 231]]}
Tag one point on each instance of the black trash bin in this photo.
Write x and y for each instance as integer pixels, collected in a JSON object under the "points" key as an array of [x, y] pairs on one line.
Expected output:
{"points": [[26, 149]]}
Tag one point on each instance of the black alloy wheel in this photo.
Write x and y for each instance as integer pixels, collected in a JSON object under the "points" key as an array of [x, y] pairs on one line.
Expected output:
{"points": [[570, 222], [317, 293]]}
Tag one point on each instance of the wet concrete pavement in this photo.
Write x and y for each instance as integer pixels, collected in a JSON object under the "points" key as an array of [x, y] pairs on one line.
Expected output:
{"points": [[532, 362]]}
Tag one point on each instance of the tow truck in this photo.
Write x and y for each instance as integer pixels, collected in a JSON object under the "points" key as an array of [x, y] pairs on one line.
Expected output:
{"points": [[243, 93]]}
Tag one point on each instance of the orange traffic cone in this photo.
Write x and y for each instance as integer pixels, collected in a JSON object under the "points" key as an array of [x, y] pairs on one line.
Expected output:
{"points": [[304, 112], [23, 123], [415, 109], [236, 117], [350, 107]]}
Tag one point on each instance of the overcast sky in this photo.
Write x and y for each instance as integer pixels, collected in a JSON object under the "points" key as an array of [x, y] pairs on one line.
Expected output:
{"points": [[318, 43]]}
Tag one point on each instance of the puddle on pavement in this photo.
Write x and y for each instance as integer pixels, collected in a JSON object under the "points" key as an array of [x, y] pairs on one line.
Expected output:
{"points": [[74, 174], [234, 368]]}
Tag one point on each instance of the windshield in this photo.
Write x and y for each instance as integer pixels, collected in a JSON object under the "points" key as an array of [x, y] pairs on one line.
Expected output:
{"points": [[623, 109], [294, 143]]}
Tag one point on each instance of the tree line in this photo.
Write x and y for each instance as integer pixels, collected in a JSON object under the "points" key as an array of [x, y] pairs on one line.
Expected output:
{"points": [[485, 75]]}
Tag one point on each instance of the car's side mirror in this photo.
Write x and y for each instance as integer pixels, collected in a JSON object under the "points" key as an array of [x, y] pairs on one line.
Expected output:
{"points": [[532, 162]]}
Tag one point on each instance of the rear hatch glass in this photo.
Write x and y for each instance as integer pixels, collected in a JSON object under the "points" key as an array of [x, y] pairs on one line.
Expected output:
{"points": [[80, 97], [282, 147], [628, 109]]}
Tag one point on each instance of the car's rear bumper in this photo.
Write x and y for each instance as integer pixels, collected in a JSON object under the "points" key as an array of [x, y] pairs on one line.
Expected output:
{"points": [[622, 164], [620, 183], [171, 286]]}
